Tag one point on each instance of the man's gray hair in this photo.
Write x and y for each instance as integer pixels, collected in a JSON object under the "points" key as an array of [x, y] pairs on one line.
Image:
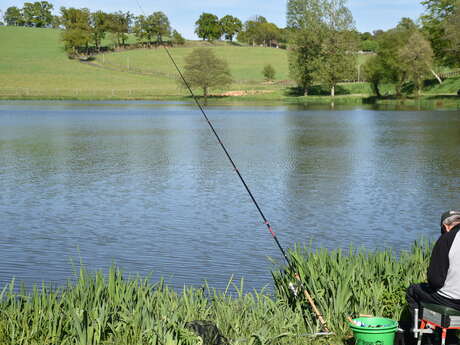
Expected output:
{"points": [[455, 218]]}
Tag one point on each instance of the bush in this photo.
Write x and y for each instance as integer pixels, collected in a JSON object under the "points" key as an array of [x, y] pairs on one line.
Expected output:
{"points": [[269, 72]]}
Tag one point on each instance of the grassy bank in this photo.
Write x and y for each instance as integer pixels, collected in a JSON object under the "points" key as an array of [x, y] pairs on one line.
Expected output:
{"points": [[34, 66], [112, 309]]}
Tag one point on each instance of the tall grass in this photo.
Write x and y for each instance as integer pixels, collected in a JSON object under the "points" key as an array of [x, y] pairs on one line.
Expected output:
{"points": [[113, 309], [347, 283]]}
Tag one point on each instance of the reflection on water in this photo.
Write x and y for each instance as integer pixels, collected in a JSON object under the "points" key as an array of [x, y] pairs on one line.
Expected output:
{"points": [[146, 186]]}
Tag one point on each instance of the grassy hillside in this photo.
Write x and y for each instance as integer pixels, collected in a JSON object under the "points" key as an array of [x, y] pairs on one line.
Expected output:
{"points": [[34, 62]]}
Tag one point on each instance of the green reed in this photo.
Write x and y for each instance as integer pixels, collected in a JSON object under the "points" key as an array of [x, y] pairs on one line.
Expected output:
{"points": [[353, 282], [114, 309]]}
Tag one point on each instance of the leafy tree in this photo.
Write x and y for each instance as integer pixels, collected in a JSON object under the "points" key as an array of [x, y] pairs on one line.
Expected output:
{"points": [[38, 14], [203, 69], [375, 73], [418, 59], [390, 43], [99, 26], [337, 60], [433, 22], [77, 30], [324, 43], [141, 29], [208, 27], [118, 24], [452, 36], [307, 31], [230, 26], [269, 72], [160, 25], [254, 31], [177, 38], [56, 22], [13, 16]]}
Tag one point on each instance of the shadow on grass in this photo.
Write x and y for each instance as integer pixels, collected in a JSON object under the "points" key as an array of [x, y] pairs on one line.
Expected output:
{"points": [[315, 90]]}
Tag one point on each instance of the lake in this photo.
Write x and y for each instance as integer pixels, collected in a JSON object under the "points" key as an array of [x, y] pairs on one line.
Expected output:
{"points": [[146, 186]]}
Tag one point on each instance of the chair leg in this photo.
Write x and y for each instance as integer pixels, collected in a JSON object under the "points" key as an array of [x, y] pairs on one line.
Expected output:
{"points": [[444, 335], [422, 327]]}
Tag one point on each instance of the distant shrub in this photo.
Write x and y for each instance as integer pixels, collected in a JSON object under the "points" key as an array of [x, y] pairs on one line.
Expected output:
{"points": [[269, 73], [177, 38]]}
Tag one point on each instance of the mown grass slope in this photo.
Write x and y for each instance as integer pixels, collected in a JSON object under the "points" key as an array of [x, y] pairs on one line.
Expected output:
{"points": [[33, 64], [34, 60]]}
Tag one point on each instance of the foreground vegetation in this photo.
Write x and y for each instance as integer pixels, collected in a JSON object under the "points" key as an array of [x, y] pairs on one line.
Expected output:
{"points": [[113, 309]]}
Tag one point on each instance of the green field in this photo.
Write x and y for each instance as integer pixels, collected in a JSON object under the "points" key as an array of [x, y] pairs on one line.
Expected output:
{"points": [[33, 64]]}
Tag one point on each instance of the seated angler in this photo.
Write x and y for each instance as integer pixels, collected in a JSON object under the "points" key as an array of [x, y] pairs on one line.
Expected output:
{"points": [[443, 285]]}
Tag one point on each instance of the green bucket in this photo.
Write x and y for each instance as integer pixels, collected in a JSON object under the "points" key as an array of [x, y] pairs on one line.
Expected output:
{"points": [[382, 335]]}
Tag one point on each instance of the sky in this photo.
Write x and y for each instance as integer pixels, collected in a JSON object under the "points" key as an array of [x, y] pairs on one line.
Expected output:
{"points": [[369, 15]]}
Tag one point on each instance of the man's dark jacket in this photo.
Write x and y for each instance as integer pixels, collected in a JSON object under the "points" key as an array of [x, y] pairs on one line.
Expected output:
{"points": [[444, 269]]}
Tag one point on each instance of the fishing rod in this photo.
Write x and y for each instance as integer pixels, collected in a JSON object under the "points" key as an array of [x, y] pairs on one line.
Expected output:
{"points": [[265, 220]]}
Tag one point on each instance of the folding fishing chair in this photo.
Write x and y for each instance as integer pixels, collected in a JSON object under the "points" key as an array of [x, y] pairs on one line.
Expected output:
{"points": [[432, 316]]}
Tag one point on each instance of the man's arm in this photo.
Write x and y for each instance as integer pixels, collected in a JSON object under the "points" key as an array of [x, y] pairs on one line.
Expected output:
{"points": [[439, 262]]}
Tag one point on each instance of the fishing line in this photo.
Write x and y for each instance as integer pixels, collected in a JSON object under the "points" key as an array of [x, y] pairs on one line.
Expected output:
{"points": [[248, 190], [266, 222]]}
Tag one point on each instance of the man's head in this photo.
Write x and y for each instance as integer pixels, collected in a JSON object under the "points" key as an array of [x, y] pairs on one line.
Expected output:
{"points": [[449, 220]]}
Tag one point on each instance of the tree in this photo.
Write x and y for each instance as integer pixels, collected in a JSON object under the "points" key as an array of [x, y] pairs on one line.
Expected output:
{"points": [[433, 23], [375, 73], [177, 38], [37, 14], [418, 59], [452, 36], [160, 25], [253, 32], [203, 69], [230, 26], [118, 24], [77, 30], [324, 43], [99, 26], [307, 31], [337, 59], [208, 27], [13, 16], [269, 72]]}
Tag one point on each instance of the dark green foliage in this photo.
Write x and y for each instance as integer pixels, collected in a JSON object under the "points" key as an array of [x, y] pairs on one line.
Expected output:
{"points": [[205, 70], [433, 22], [37, 14], [258, 31], [13, 16], [324, 42], [77, 33], [154, 26], [99, 26], [230, 26], [452, 36], [118, 25], [269, 72], [208, 27], [375, 73], [176, 38]]}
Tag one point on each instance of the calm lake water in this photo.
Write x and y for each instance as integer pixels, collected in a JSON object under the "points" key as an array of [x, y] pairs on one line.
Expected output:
{"points": [[146, 186]]}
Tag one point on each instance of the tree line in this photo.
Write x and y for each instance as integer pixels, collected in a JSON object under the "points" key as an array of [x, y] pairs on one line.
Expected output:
{"points": [[323, 44]]}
